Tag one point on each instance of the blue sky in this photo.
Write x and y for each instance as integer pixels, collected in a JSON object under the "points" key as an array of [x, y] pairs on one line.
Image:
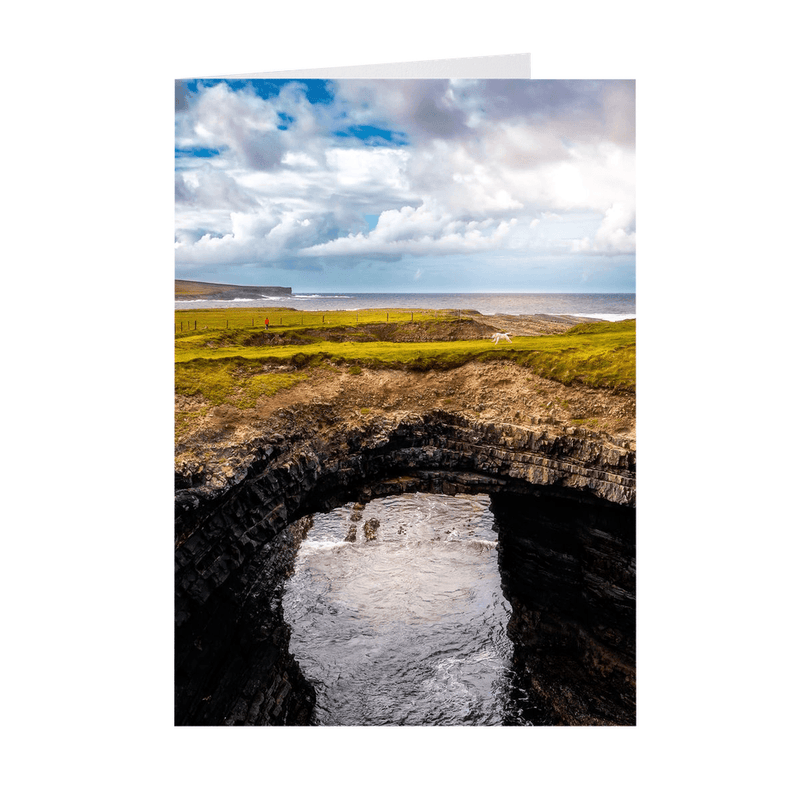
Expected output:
{"points": [[407, 185]]}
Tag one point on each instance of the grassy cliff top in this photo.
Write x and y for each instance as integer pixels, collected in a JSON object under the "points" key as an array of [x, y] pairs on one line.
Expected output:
{"points": [[226, 356]]}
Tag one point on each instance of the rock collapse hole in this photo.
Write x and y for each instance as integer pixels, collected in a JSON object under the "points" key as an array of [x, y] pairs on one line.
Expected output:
{"points": [[565, 554], [398, 616]]}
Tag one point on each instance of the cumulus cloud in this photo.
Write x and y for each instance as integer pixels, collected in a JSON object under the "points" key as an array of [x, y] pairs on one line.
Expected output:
{"points": [[616, 234], [424, 109], [213, 189], [249, 129], [446, 167], [418, 231]]}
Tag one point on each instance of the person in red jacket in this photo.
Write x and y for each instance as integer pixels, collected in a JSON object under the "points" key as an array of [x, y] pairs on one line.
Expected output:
{"points": [[266, 324]]}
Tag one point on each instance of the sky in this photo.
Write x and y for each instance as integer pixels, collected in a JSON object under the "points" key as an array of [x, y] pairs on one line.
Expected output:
{"points": [[415, 185]]}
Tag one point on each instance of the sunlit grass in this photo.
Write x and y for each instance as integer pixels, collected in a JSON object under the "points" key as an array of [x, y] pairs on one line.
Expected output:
{"points": [[198, 321], [234, 381], [229, 365]]}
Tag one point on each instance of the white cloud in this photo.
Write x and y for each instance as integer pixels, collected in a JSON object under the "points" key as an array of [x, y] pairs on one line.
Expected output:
{"points": [[212, 189], [368, 169], [484, 163], [615, 236], [418, 231]]}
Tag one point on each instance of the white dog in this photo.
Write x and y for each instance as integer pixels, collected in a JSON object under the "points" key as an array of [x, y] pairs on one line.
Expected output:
{"points": [[496, 337]]}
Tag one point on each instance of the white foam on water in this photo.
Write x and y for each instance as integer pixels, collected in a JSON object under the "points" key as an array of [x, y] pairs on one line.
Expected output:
{"points": [[323, 545], [605, 317]]}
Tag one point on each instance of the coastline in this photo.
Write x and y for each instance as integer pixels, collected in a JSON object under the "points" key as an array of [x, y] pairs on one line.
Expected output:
{"points": [[610, 307]]}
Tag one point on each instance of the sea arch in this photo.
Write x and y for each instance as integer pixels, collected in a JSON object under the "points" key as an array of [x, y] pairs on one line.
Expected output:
{"points": [[565, 508]]}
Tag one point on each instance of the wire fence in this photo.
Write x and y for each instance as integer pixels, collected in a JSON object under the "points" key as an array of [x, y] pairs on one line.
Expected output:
{"points": [[189, 322]]}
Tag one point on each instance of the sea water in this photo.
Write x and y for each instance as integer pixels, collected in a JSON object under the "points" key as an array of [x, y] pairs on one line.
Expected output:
{"points": [[408, 628], [601, 306]]}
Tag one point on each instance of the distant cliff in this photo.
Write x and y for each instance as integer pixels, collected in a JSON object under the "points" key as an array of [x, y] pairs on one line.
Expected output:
{"points": [[198, 290]]}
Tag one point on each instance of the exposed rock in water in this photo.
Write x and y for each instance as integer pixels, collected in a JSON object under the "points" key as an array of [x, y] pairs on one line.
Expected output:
{"points": [[371, 529]]}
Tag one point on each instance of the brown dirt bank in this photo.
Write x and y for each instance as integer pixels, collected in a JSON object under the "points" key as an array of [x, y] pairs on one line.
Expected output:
{"points": [[428, 331], [528, 324], [497, 391]]}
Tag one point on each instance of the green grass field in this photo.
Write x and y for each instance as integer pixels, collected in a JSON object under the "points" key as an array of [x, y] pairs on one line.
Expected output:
{"points": [[221, 354], [283, 319]]}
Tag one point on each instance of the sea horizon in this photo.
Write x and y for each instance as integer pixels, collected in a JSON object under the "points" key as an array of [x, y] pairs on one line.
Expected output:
{"points": [[611, 306]]}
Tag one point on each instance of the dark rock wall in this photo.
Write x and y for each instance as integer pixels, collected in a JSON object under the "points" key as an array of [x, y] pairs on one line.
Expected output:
{"points": [[568, 570], [236, 539], [232, 661]]}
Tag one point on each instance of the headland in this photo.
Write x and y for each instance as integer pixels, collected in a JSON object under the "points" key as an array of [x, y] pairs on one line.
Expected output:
{"points": [[199, 290]]}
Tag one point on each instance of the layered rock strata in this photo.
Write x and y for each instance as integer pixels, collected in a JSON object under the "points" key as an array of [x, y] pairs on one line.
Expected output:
{"points": [[564, 505]]}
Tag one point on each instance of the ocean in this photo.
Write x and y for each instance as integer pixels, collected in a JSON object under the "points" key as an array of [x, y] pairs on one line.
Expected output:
{"points": [[610, 307]]}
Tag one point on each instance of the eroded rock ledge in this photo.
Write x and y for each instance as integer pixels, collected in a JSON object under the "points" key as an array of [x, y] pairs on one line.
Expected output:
{"points": [[571, 584]]}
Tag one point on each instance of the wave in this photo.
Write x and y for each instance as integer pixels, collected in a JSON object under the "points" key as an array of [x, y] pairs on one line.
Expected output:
{"points": [[309, 544], [611, 308], [233, 299], [606, 317]]}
